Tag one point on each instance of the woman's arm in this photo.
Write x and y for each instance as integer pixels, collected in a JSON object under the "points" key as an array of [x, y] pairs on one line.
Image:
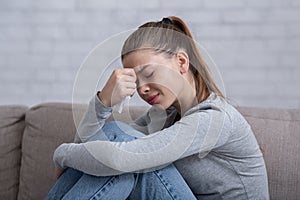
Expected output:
{"points": [[93, 119], [78, 157], [121, 83], [198, 132]]}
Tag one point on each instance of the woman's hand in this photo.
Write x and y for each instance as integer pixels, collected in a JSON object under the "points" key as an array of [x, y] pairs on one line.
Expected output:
{"points": [[58, 173], [120, 84]]}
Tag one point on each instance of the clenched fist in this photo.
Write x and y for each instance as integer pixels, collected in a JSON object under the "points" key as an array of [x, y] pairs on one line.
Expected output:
{"points": [[120, 84]]}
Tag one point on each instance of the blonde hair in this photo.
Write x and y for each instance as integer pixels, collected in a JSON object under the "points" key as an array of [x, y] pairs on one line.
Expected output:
{"points": [[168, 36]]}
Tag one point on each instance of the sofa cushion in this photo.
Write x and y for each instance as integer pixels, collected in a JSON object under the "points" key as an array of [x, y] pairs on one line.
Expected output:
{"points": [[277, 132], [47, 126], [11, 131]]}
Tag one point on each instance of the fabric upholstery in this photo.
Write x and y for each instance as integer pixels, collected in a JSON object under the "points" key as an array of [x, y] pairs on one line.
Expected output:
{"points": [[278, 133], [47, 126], [11, 130]]}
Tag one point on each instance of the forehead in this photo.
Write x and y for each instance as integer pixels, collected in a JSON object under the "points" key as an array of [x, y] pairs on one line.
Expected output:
{"points": [[141, 58]]}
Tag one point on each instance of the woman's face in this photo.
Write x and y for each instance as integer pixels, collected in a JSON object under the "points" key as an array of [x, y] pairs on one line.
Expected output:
{"points": [[159, 80]]}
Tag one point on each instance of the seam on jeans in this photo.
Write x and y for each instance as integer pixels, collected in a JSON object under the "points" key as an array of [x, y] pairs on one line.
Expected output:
{"points": [[104, 186], [136, 177], [70, 168], [162, 181]]}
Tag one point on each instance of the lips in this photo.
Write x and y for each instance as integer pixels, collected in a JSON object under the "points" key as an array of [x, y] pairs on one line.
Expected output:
{"points": [[152, 99]]}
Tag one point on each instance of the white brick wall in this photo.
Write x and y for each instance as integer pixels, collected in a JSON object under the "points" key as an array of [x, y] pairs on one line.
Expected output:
{"points": [[255, 44]]}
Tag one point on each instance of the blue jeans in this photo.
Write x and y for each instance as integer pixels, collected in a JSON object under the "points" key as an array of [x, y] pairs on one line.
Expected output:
{"points": [[165, 183]]}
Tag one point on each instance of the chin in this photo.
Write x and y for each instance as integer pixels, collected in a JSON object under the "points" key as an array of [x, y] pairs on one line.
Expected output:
{"points": [[159, 106], [166, 106]]}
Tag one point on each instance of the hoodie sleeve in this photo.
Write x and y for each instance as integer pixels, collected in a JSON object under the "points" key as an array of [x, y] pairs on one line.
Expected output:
{"points": [[93, 120], [196, 133]]}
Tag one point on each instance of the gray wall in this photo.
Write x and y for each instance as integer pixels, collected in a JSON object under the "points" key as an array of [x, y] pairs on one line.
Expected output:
{"points": [[255, 44]]}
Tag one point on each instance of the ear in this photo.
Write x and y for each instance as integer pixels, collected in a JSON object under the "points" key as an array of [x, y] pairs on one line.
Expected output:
{"points": [[183, 61]]}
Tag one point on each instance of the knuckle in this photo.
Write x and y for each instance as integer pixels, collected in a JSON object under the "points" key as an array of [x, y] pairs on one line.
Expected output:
{"points": [[118, 76], [117, 72], [114, 72]]}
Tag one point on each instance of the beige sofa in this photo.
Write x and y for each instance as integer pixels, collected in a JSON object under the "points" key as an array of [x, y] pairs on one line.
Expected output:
{"points": [[29, 136]]}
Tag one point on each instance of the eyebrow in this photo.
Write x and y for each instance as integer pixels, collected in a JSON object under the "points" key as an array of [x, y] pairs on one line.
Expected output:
{"points": [[143, 68]]}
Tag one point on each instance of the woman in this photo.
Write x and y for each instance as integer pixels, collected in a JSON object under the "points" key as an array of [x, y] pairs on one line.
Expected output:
{"points": [[191, 144]]}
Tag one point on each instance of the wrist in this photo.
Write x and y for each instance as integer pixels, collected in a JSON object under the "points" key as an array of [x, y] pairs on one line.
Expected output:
{"points": [[102, 100]]}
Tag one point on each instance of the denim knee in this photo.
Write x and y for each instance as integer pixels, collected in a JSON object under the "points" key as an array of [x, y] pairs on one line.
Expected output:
{"points": [[118, 131]]}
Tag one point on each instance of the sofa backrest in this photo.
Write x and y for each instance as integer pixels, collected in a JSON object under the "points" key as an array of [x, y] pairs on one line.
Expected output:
{"points": [[47, 126], [278, 133], [50, 124], [11, 131]]}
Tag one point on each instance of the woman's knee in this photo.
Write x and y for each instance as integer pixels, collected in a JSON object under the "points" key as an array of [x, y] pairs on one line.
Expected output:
{"points": [[167, 182], [118, 131]]}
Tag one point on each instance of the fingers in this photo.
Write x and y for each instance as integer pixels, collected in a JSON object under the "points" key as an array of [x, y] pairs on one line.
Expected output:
{"points": [[130, 85], [126, 78], [127, 73], [124, 89], [129, 92], [121, 83]]}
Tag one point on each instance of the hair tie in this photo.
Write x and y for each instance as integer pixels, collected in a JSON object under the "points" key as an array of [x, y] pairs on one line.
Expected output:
{"points": [[166, 20]]}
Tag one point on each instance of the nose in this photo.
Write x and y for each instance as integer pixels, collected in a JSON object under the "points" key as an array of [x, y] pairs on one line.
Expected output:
{"points": [[143, 89]]}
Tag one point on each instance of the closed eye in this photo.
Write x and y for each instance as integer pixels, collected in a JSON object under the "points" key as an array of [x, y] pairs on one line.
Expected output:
{"points": [[148, 76]]}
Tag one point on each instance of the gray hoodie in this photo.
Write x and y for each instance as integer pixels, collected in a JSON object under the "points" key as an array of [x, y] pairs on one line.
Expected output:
{"points": [[212, 146]]}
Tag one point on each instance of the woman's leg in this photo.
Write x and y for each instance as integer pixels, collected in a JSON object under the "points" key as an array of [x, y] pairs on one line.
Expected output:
{"points": [[164, 183], [107, 187], [93, 187], [74, 184], [66, 181]]}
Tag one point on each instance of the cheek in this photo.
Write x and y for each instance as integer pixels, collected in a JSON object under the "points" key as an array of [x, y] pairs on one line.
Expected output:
{"points": [[171, 81]]}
